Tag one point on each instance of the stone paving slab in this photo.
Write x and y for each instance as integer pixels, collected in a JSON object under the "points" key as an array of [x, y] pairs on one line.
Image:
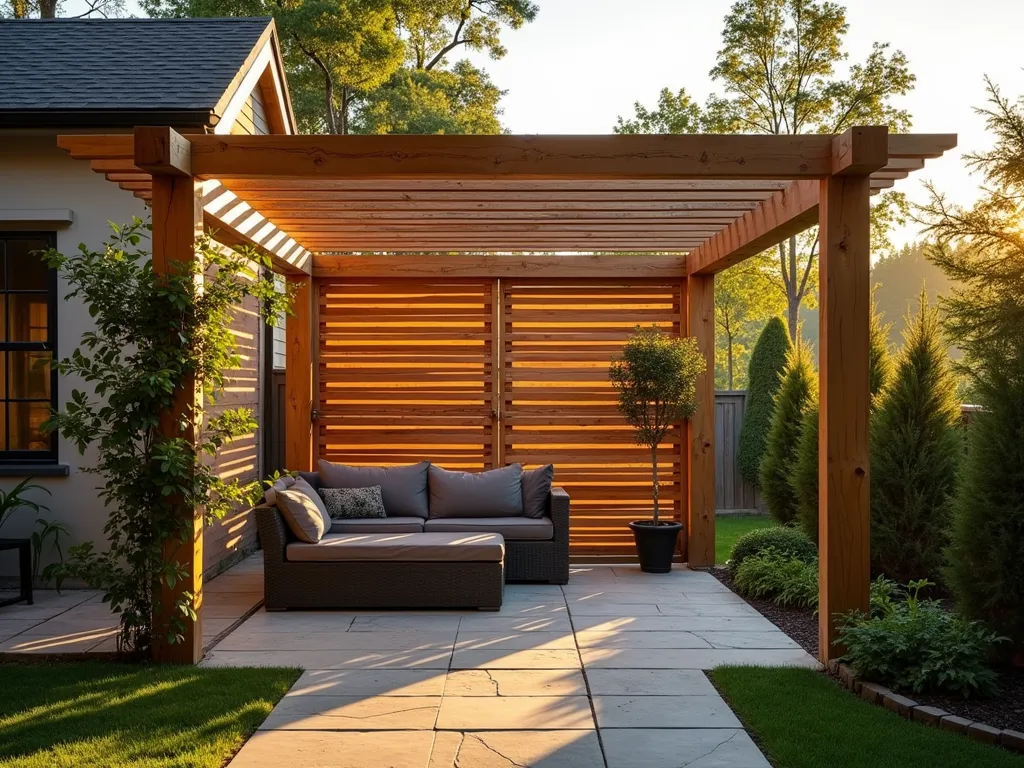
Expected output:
{"points": [[673, 748], [330, 659], [337, 749], [644, 711], [693, 659], [520, 713], [391, 640], [774, 639], [515, 682], [471, 639], [626, 623], [501, 659], [649, 682], [594, 638], [370, 682], [517, 749], [353, 713]]}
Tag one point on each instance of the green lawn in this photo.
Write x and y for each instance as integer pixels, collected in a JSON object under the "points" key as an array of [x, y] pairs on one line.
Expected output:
{"points": [[728, 528], [801, 719], [120, 715]]}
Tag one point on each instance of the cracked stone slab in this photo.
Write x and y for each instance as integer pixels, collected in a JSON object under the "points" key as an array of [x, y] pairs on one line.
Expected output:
{"points": [[773, 639], [681, 748], [649, 682], [510, 659], [592, 638], [399, 640], [664, 712], [330, 659], [515, 682], [336, 749], [353, 713], [369, 682], [516, 749], [472, 640], [516, 713], [614, 658]]}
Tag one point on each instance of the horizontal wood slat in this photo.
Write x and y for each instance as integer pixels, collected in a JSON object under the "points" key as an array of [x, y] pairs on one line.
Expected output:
{"points": [[559, 407]]}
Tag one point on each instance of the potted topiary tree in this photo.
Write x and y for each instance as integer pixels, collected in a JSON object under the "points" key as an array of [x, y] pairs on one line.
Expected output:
{"points": [[656, 381]]}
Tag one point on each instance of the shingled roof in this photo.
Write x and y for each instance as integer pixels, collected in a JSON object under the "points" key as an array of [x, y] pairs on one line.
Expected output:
{"points": [[121, 72]]}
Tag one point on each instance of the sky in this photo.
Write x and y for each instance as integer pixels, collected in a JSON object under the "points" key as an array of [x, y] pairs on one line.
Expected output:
{"points": [[583, 63]]}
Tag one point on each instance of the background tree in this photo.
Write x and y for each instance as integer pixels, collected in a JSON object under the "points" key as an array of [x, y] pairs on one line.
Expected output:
{"points": [[779, 73], [52, 9], [982, 249], [765, 376], [804, 477], [798, 391], [916, 447]]}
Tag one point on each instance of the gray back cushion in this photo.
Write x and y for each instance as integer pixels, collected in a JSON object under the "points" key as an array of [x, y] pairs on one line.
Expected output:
{"points": [[404, 489], [536, 488], [497, 493]]}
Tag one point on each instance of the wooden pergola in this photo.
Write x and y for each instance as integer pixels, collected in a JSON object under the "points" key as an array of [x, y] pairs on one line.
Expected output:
{"points": [[671, 210]]}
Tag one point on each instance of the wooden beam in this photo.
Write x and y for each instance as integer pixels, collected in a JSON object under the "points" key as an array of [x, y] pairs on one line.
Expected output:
{"points": [[921, 145], [298, 377], [786, 213], [486, 266], [177, 221], [159, 149], [524, 157], [860, 151], [700, 430], [843, 474]]}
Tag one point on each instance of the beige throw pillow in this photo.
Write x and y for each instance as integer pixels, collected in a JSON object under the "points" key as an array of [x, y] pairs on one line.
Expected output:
{"points": [[304, 487], [301, 515]]}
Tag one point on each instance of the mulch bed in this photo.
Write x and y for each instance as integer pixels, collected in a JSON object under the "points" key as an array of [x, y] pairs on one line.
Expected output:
{"points": [[1004, 711]]}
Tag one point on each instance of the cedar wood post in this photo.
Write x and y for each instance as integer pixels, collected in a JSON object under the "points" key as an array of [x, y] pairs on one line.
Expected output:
{"points": [[844, 395], [700, 430], [298, 377], [177, 221]]}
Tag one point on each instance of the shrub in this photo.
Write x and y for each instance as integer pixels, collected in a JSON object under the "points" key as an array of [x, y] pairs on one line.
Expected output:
{"points": [[916, 448], [916, 645], [763, 380], [788, 581], [803, 479], [784, 541], [793, 399]]}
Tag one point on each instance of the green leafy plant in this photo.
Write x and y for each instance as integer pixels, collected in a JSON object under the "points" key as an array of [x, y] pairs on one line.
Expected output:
{"points": [[158, 339], [764, 378], [915, 644], [13, 500], [49, 532], [782, 540], [656, 381], [786, 580], [798, 392]]}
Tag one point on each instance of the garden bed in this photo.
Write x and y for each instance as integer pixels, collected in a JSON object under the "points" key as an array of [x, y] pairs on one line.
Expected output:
{"points": [[1003, 711]]}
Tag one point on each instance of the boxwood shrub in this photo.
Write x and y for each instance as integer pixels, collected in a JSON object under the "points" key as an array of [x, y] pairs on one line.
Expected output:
{"points": [[783, 541]]}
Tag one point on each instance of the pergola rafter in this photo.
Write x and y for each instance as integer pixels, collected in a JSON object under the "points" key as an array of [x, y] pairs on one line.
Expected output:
{"points": [[674, 209]]}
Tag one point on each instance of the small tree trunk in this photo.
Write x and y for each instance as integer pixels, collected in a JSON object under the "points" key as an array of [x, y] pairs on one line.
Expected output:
{"points": [[792, 300], [47, 9], [730, 361], [654, 476]]}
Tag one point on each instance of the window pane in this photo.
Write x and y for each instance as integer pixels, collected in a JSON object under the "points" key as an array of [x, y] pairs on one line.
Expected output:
{"points": [[26, 419], [28, 375], [28, 316], [26, 271]]}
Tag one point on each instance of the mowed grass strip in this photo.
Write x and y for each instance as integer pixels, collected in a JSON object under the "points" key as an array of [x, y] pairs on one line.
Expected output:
{"points": [[108, 715], [801, 719], [728, 528]]}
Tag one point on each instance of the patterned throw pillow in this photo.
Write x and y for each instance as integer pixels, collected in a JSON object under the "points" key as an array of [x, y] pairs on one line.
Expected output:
{"points": [[349, 503]]}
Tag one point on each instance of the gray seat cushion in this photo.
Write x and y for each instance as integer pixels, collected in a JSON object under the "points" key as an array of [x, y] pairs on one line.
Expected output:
{"points": [[401, 548], [511, 528], [377, 525], [496, 493], [404, 489]]}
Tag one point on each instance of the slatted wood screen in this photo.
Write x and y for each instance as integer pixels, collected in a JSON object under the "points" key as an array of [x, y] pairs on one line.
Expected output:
{"points": [[559, 407], [406, 373]]}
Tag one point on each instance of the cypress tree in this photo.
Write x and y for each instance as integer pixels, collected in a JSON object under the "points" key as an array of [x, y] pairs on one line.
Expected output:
{"points": [[916, 448], [798, 391], [764, 378], [804, 478]]}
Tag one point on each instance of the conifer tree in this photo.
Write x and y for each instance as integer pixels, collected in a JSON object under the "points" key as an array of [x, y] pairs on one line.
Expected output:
{"points": [[797, 392], [763, 381], [916, 448]]}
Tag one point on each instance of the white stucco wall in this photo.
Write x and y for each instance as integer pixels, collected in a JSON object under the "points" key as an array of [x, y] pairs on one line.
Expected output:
{"points": [[36, 174]]}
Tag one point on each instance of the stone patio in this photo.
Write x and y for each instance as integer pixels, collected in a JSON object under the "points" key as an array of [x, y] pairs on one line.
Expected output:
{"points": [[606, 671], [78, 622]]}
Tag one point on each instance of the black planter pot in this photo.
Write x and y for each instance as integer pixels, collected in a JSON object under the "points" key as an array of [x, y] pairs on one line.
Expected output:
{"points": [[655, 544]]}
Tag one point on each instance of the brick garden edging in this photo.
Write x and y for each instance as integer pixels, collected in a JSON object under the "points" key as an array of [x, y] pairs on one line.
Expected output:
{"points": [[919, 713]]}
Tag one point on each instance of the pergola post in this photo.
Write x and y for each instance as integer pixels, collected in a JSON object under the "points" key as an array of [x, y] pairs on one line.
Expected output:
{"points": [[700, 430], [177, 222], [844, 394], [298, 377]]}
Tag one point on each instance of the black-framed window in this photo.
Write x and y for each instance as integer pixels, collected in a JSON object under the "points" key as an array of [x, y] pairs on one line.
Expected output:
{"points": [[28, 335]]}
